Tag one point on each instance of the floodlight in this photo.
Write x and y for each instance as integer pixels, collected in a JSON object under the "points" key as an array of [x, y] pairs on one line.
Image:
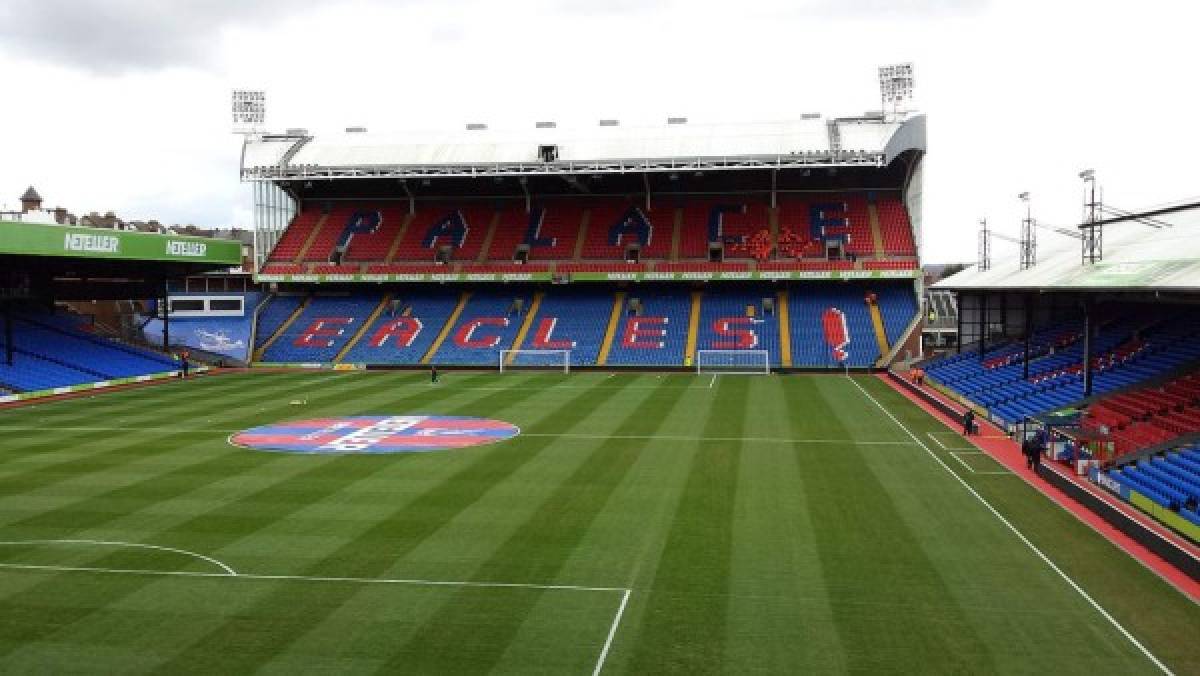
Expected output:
{"points": [[1087, 174]]}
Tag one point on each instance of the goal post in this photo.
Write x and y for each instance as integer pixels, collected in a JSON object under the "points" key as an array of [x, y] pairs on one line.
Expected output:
{"points": [[744, 362], [540, 360]]}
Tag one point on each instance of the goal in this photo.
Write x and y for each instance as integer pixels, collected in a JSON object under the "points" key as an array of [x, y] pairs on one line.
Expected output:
{"points": [[540, 360], [748, 362]]}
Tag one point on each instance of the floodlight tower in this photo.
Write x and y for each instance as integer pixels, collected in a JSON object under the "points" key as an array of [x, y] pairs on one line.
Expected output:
{"points": [[896, 87], [985, 246], [1028, 242], [1093, 235]]}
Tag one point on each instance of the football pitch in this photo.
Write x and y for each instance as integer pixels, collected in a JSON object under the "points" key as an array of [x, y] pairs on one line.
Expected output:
{"points": [[637, 524]]}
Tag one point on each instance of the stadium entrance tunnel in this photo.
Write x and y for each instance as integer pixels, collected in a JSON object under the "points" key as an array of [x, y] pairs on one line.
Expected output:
{"points": [[375, 434]]}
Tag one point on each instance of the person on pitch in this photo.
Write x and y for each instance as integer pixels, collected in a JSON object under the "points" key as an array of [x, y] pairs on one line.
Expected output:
{"points": [[433, 374], [969, 423]]}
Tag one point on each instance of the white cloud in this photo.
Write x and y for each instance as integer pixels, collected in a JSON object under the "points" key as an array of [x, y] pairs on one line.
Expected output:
{"points": [[124, 105]]}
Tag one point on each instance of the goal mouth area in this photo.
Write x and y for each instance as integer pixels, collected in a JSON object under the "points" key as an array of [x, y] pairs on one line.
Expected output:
{"points": [[733, 362], [534, 360]]}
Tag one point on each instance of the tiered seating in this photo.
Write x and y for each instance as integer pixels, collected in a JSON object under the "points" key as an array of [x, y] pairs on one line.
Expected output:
{"points": [[475, 215], [406, 329], [743, 219], [735, 320], [372, 246], [655, 336], [701, 266], [53, 352], [813, 309], [571, 320], [327, 236], [604, 214], [489, 323], [283, 269], [293, 239], [895, 227], [570, 268], [1171, 480], [276, 312], [890, 265], [1055, 369], [805, 266], [745, 230], [1144, 417], [325, 327]]}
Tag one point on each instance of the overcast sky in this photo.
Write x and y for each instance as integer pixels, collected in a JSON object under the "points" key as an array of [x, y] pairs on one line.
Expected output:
{"points": [[123, 104]]}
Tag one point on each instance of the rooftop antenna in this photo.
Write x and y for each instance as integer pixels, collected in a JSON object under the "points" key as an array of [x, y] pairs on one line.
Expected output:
{"points": [[896, 87], [985, 246], [1028, 241], [1093, 235]]}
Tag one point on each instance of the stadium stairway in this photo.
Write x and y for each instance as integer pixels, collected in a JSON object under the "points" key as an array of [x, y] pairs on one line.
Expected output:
{"points": [[279, 313], [567, 320], [654, 334], [405, 328], [383, 303], [782, 299], [487, 323], [447, 327], [610, 331], [320, 329], [881, 337]]}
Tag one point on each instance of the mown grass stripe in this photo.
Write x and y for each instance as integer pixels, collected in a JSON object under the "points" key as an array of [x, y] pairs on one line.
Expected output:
{"points": [[857, 529], [374, 551], [697, 554], [553, 531], [228, 521]]}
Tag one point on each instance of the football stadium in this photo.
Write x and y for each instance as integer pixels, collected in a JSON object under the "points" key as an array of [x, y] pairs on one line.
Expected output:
{"points": [[606, 399]]}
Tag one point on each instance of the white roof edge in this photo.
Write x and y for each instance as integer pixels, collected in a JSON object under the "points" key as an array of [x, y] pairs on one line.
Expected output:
{"points": [[858, 137]]}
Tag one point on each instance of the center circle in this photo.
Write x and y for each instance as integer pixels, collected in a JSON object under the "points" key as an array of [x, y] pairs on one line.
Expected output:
{"points": [[376, 434]]}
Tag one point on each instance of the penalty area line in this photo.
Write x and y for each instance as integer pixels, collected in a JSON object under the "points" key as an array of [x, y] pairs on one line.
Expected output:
{"points": [[612, 632], [1021, 536], [309, 578]]}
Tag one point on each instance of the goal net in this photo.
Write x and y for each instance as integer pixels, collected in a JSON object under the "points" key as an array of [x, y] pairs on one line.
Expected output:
{"points": [[749, 362], [541, 360]]}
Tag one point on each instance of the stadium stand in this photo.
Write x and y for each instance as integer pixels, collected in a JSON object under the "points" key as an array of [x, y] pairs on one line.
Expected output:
{"points": [[277, 311], [737, 320], [324, 327], [653, 328], [1131, 347], [571, 320], [54, 351], [406, 328], [488, 323], [344, 235], [1170, 479]]}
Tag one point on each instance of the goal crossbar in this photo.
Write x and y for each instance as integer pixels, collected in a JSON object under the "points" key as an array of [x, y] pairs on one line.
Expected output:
{"points": [[540, 359], [734, 362]]}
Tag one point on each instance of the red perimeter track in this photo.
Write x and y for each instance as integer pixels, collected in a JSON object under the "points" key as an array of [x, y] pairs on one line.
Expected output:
{"points": [[996, 444]]}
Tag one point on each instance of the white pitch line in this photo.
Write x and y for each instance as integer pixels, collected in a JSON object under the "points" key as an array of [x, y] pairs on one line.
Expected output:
{"points": [[935, 440], [612, 632], [962, 462], [712, 382], [1066, 578], [310, 578], [133, 545]]}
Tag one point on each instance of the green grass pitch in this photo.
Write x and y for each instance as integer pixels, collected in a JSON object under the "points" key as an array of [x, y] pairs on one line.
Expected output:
{"points": [[639, 524]]}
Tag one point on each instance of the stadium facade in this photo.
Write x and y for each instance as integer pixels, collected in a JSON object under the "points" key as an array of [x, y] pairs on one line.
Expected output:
{"points": [[627, 246]]}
